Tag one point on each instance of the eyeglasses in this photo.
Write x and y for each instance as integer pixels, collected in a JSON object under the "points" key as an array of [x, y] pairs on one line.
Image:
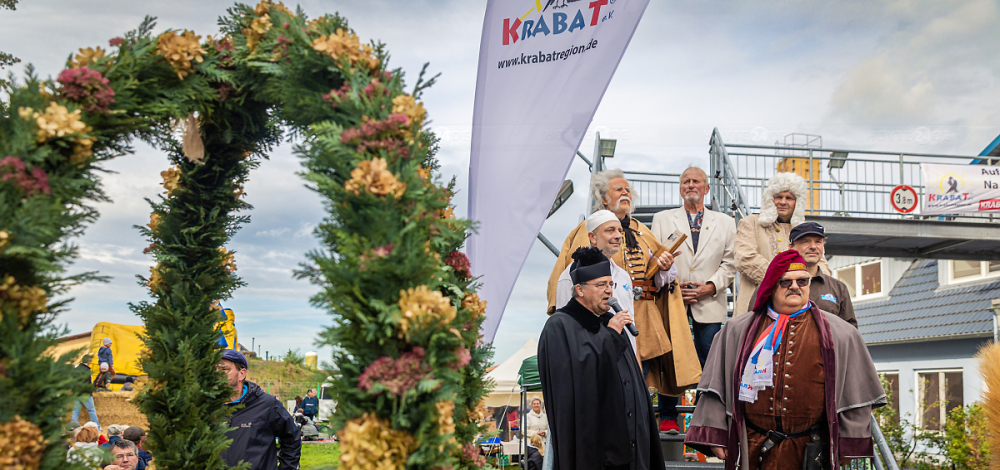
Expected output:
{"points": [[124, 456], [604, 285], [801, 282]]}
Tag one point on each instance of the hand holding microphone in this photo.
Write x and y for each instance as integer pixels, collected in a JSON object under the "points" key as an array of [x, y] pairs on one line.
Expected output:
{"points": [[617, 307]]}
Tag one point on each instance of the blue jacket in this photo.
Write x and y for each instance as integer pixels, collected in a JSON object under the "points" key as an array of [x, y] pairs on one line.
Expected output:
{"points": [[104, 355], [256, 425], [310, 406]]}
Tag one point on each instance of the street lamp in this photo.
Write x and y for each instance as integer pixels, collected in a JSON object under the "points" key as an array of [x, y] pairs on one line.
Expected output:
{"points": [[607, 148], [837, 160]]}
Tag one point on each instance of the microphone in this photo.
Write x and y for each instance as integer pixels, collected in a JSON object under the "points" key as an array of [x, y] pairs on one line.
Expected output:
{"points": [[617, 307]]}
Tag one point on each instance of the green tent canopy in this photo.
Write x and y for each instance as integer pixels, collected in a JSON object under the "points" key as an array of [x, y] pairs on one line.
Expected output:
{"points": [[528, 379]]}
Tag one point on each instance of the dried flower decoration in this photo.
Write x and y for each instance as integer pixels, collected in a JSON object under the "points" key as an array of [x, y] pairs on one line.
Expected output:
{"points": [[171, 179], [409, 107], [472, 303], [25, 300], [5, 238], [460, 263], [155, 282], [446, 420], [399, 375], [180, 50], [421, 307], [86, 57], [22, 444], [345, 43], [372, 175], [87, 87], [55, 122], [228, 261], [32, 182], [154, 221], [370, 443]]}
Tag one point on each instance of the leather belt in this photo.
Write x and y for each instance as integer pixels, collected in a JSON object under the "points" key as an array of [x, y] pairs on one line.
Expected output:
{"points": [[648, 289]]}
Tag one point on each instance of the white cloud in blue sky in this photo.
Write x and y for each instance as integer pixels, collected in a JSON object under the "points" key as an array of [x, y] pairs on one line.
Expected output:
{"points": [[862, 74]]}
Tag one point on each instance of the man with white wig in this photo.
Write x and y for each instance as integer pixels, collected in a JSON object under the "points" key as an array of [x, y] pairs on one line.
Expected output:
{"points": [[760, 237]]}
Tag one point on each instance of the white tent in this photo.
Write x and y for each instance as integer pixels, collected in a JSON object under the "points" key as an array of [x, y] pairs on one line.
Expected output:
{"points": [[507, 392]]}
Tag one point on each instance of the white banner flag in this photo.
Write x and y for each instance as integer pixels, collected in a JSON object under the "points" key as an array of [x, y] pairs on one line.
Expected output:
{"points": [[543, 67], [952, 189]]}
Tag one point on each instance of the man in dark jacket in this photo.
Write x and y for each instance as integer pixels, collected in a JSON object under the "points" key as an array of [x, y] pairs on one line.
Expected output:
{"points": [[599, 410], [310, 405], [257, 423]]}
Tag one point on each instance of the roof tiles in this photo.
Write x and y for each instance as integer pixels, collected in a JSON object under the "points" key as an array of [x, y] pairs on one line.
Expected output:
{"points": [[918, 308]]}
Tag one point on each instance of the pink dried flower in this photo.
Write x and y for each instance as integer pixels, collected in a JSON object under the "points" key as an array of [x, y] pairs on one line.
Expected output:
{"points": [[460, 263], [32, 183], [87, 87], [397, 375], [464, 357], [116, 42]]}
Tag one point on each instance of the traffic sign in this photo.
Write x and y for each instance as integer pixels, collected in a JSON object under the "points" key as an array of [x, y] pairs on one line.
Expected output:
{"points": [[903, 199]]}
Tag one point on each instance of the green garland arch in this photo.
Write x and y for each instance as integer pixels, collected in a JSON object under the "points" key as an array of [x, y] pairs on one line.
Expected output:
{"points": [[406, 316]]}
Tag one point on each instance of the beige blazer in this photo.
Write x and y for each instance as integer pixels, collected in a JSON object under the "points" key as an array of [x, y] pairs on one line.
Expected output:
{"points": [[714, 262]]}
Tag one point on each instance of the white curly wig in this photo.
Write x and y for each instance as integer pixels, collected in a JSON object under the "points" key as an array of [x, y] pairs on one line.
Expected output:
{"points": [[778, 183], [600, 184]]}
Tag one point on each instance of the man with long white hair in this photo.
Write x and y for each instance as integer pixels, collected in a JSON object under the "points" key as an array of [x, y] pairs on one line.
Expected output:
{"points": [[759, 237], [664, 340]]}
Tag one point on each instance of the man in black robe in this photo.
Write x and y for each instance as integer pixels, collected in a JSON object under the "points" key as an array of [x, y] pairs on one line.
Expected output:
{"points": [[600, 415]]}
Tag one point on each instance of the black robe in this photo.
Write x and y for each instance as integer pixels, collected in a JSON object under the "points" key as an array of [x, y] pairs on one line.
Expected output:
{"points": [[598, 407]]}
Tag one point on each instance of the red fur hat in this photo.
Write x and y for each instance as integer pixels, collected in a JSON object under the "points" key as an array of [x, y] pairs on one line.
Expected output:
{"points": [[785, 261]]}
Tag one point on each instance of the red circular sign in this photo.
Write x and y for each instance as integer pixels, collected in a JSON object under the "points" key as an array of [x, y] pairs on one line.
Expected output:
{"points": [[903, 199]]}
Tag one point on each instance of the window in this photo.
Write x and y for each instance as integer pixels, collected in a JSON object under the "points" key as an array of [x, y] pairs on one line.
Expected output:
{"points": [[891, 381], [940, 392], [962, 270], [863, 280], [847, 276]]}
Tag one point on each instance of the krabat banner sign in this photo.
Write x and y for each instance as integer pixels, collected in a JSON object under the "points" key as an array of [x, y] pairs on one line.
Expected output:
{"points": [[543, 67], [952, 189]]}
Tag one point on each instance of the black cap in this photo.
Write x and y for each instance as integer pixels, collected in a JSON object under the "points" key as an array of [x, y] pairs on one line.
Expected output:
{"points": [[236, 357], [133, 433], [806, 228]]}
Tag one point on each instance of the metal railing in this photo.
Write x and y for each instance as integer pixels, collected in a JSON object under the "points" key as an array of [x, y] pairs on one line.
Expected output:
{"points": [[654, 189], [841, 182], [726, 187]]}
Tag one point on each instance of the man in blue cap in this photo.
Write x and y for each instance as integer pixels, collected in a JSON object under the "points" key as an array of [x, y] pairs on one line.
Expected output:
{"points": [[829, 294], [258, 422]]}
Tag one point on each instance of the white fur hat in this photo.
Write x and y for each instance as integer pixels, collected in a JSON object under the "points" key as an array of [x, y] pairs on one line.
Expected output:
{"points": [[104, 366], [778, 183]]}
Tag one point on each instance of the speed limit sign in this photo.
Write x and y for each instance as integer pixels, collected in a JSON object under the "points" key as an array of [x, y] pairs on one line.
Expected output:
{"points": [[903, 199]]}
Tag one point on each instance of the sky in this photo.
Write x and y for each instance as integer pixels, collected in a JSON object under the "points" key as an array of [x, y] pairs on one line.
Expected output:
{"points": [[901, 75]]}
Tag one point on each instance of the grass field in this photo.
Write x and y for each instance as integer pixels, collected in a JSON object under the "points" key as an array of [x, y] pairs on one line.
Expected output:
{"points": [[327, 457], [320, 456]]}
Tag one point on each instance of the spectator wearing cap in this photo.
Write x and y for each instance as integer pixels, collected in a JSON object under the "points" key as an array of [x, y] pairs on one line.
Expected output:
{"points": [[137, 436], [258, 422], [84, 370], [105, 355], [829, 294], [759, 237], [114, 434]]}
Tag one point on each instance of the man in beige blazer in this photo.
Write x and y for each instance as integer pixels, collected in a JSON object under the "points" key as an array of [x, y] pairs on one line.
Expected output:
{"points": [[706, 265]]}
